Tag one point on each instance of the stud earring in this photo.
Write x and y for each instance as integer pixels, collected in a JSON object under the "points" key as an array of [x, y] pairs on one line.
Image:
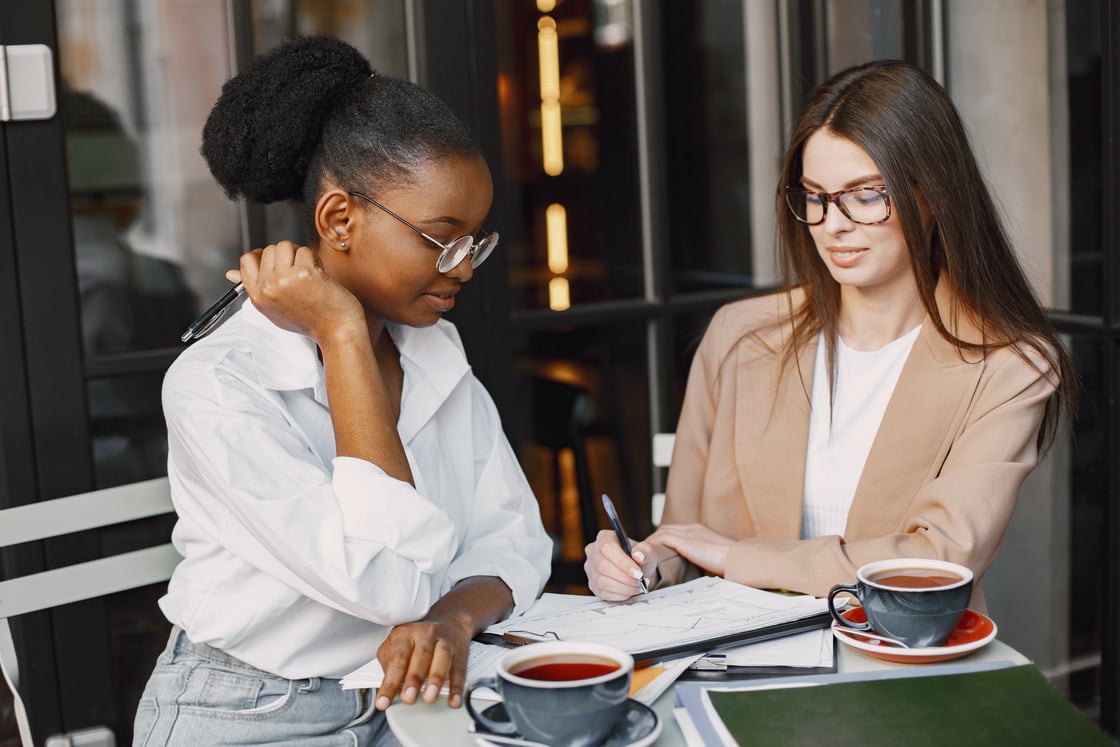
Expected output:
{"points": [[343, 244]]}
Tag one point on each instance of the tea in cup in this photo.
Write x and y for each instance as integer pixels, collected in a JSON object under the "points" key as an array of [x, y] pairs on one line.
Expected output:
{"points": [[558, 692], [913, 600]]}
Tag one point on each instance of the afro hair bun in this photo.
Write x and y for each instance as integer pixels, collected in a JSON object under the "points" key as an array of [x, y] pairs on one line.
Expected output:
{"points": [[267, 123]]}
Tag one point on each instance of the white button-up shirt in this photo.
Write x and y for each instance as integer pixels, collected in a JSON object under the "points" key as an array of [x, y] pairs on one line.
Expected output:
{"points": [[298, 561]]}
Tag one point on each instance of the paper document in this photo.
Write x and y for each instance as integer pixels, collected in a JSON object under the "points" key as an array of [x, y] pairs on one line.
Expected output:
{"points": [[701, 614], [650, 682], [812, 649]]}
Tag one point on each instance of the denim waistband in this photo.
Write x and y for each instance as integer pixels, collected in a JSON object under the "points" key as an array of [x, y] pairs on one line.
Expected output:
{"points": [[179, 642]]}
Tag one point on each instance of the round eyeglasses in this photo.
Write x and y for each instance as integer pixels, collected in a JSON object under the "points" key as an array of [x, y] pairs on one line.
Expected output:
{"points": [[454, 251], [866, 205]]}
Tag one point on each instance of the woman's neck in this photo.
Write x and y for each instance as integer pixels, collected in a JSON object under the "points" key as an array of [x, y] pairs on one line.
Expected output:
{"points": [[870, 322]]}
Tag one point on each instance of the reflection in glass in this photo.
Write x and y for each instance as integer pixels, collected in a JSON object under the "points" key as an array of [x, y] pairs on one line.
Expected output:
{"points": [[1085, 254], [568, 123], [707, 156], [130, 299], [581, 397]]}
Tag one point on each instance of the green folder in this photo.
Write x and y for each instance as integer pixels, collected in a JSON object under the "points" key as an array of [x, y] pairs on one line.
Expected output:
{"points": [[1009, 706]]}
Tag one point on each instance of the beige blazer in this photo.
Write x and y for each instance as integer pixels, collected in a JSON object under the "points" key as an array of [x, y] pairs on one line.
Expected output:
{"points": [[941, 480]]}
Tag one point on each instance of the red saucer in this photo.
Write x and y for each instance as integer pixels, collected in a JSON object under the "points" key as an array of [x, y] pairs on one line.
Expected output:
{"points": [[974, 631]]}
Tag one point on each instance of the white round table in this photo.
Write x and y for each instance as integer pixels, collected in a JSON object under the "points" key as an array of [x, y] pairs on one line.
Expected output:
{"points": [[428, 724]]}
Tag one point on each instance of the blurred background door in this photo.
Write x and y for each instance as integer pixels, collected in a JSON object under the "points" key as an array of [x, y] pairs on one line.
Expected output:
{"points": [[634, 146]]}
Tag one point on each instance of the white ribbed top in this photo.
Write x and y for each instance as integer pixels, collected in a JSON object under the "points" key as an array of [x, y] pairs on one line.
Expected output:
{"points": [[834, 463]]}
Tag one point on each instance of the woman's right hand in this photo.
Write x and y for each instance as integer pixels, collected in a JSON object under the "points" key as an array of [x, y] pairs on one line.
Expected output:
{"points": [[611, 573], [287, 283]]}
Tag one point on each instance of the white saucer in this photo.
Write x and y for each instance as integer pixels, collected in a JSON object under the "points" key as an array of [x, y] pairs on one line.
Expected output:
{"points": [[638, 726]]}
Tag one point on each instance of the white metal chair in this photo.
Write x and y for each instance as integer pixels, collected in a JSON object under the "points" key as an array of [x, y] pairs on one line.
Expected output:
{"points": [[73, 583], [662, 455]]}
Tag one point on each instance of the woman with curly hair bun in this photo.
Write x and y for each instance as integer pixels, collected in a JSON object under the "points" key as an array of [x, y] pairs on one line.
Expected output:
{"points": [[343, 485], [890, 401]]}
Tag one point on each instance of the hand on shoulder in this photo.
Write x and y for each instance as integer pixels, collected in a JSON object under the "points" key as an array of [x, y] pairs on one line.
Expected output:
{"points": [[287, 283]]}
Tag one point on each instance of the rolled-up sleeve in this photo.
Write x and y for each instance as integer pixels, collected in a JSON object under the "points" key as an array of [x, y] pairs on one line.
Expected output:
{"points": [[394, 516], [505, 537], [350, 537]]}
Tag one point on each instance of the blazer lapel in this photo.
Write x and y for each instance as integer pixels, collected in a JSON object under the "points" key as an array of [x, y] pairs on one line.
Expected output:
{"points": [[772, 438], [920, 422]]}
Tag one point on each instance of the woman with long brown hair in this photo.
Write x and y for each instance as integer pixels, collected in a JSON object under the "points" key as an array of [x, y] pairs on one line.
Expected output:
{"points": [[890, 401]]}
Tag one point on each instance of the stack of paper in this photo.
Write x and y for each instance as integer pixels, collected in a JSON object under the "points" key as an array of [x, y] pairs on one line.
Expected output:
{"points": [[797, 653], [667, 631]]}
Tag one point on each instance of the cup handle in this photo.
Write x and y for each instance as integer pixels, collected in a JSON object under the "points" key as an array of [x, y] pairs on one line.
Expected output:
{"points": [[498, 727], [850, 589]]}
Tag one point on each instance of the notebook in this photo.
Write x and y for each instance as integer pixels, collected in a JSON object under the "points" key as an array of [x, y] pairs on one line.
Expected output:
{"points": [[994, 703]]}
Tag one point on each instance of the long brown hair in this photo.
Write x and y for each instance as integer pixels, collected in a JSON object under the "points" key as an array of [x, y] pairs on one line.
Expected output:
{"points": [[908, 125]]}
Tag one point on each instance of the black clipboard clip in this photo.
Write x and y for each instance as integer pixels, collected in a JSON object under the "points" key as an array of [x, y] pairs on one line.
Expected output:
{"points": [[514, 638]]}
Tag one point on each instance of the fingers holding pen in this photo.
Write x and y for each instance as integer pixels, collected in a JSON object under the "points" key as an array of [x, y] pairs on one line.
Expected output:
{"points": [[248, 269], [646, 556], [289, 285], [611, 573]]}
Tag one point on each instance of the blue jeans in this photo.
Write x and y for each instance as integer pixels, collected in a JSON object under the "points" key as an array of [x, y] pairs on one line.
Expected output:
{"points": [[198, 695]]}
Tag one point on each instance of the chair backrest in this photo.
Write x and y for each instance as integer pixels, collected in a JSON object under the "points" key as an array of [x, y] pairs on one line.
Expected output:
{"points": [[662, 454], [73, 583]]}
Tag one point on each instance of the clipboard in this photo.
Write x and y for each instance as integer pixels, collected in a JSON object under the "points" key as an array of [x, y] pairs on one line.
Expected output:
{"points": [[814, 622], [710, 613]]}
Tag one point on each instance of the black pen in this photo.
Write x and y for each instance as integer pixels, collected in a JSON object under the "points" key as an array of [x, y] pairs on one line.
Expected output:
{"points": [[613, 516], [199, 327]]}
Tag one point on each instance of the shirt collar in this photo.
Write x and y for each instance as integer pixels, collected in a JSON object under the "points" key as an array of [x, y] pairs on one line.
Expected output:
{"points": [[434, 364], [285, 361], [432, 358]]}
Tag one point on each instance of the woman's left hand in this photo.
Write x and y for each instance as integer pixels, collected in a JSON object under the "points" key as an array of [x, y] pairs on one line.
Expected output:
{"points": [[419, 657], [697, 544]]}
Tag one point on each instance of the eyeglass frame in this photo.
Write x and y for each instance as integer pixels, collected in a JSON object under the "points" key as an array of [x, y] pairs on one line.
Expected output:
{"points": [[834, 198], [448, 249]]}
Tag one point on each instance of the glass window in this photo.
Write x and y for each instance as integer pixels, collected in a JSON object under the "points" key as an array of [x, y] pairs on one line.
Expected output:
{"points": [[566, 92], [376, 29], [707, 157], [1081, 253], [153, 234], [581, 397]]}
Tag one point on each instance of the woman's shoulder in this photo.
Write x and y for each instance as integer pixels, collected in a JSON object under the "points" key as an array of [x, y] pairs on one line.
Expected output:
{"points": [[245, 353], [1021, 363], [763, 322]]}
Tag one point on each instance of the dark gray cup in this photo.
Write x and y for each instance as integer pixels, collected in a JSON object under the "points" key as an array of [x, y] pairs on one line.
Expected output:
{"points": [[919, 616], [577, 712]]}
